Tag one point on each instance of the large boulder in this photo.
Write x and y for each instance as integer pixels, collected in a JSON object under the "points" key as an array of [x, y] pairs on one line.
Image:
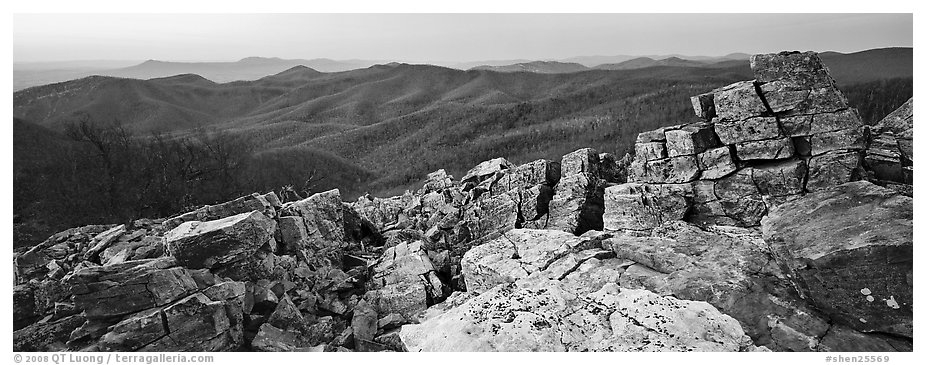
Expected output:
{"points": [[485, 170], [578, 199], [404, 269], [491, 216], [805, 69], [733, 269], [516, 255], [550, 315], [671, 170], [215, 243], [47, 336], [266, 204], [850, 251], [890, 154], [738, 101], [690, 139], [635, 206], [752, 129], [527, 175], [113, 290], [194, 323], [323, 217]]}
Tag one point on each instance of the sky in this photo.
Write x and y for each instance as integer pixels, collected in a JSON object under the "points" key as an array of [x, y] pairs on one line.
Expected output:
{"points": [[441, 37]]}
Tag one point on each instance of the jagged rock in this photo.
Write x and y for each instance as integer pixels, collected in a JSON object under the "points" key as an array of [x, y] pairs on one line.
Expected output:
{"points": [[392, 340], [391, 320], [46, 336], [516, 255], [404, 298], [135, 246], [260, 265], [323, 216], [364, 325], [890, 154], [883, 158], [841, 120], [545, 316], [841, 338], [806, 69], [64, 249], [528, 175], [102, 241], [261, 297], [580, 162], [740, 199], [384, 213], [286, 315], [64, 310], [650, 151], [834, 168], [24, 307], [656, 135], [716, 163], [614, 170], [672, 170], [214, 243], [241, 205], [728, 267], [634, 206], [405, 269], [490, 216], [751, 129], [292, 233], [577, 204], [738, 101], [534, 203], [343, 340], [272, 339], [195, 323], [781, 178], [485, 169], [797, 125], [437, 181], [767, 149], [787, 97], [690, 139], [899, 121], [578, 199], [703, 105], [129, 287], [850, 251], [840, 140]]}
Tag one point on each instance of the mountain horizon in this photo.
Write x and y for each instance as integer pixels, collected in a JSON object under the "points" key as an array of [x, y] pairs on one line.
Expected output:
{"points": [[29, 74]]}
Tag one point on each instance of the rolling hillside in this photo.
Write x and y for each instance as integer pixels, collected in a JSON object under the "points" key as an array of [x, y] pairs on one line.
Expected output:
{"points": [[381, 129]]}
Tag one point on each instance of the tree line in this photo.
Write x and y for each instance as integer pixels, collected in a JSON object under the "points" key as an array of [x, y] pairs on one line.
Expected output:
{"points": [[100, 174]]}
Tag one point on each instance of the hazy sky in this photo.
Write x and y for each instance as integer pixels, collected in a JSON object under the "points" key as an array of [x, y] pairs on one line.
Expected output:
{"points": [[442, 37]]}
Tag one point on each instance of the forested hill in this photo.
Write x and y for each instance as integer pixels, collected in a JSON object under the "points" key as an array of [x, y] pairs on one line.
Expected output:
{"points": [[378, 129]]}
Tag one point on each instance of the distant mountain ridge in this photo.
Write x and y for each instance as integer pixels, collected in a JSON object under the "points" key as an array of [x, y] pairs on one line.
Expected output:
{"points": [[644, 62], [544, 67], [252, 68], [246, 69]]}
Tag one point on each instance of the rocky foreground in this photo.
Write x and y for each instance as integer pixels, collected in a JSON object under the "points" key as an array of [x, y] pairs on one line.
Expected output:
{"points": [[778, 222]]}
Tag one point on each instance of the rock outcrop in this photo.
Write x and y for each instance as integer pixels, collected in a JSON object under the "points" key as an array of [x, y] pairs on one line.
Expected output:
{"points": [[761, 142], [750, 229], [889, 156], [849, 251]]}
